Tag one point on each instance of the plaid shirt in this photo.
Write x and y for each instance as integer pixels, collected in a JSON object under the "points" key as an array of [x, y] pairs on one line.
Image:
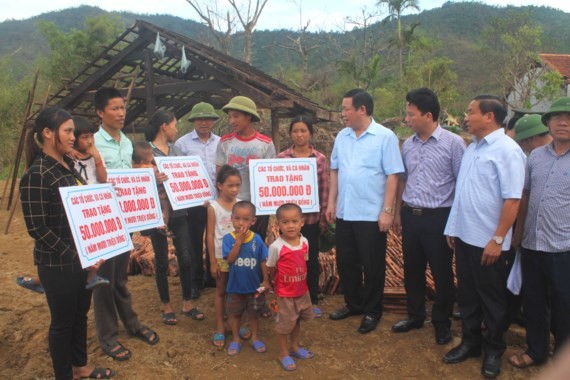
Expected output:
{"points": [[323, 178], [44, 213]]}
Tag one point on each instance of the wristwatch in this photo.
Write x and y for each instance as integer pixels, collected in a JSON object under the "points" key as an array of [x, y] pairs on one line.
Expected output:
{"points": [[389, 210], [498, 239]]}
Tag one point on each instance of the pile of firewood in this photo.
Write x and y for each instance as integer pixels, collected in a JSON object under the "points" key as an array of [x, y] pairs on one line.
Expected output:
{"points": [[142, 257], [329, 280]]}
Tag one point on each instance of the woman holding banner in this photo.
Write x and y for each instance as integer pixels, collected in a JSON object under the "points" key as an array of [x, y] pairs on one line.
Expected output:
{"points": [[55, 255], [301, 131], [161, 133]]}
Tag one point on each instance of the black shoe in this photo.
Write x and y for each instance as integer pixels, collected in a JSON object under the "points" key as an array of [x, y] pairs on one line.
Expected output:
{"points": [[491, 366], [343, 313], [406, 325], [369, 323], [461, 353], [443, 335], [194, 293]]}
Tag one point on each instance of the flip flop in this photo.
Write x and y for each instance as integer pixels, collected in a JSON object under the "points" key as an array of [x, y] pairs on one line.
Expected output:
{"points": [[28, 283], [100, 373], [145, 334], [287, 363], [259, 347], [195, 314], [169, 319], [234, 348], [245, 333], [302, 353], [519, 361], [109, 351], [219, 337], [317, 312], [96, 282]]}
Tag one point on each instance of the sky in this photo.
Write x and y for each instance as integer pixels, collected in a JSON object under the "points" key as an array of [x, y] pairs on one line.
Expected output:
{"points": [[278, 14]]}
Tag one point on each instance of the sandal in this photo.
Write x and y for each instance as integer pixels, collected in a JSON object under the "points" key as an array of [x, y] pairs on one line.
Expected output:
{"points": [[114, 352], [96, 281], [145, 334], [244, 333], [302, 353], [219, 340], [259, 347], [100, 373], [287, 363], [317, 312], [195, 314], [169, 319], [520, 361], [28, 283], [234, 348]]}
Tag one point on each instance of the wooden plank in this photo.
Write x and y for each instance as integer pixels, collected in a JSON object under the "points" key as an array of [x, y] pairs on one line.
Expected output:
{"points": [[275, 130], [149, 77]]}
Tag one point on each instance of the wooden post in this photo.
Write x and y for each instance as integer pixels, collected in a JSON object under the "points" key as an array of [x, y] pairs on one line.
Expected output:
{"points": [[275, 130], [150, 100]]}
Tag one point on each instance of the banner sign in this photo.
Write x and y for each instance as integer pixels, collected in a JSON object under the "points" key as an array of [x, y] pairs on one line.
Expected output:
{"points": [[277, 181], [188, 182], [138, 197], [97, 225]]}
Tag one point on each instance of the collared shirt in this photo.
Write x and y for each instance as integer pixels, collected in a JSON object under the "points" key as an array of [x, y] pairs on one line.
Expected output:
{"points": [[116, 155], [363, 163], [432, 167], [191, 145], [43, 211], [323, 181], [492, 171], [547, 223]]}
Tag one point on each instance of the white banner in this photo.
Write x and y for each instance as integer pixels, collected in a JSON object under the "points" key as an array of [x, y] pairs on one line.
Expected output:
{"points": [[277, 181], [97, 225]]}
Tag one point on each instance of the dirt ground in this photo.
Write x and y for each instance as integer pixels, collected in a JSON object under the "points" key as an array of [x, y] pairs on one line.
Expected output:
{"points": [[185, 351]]}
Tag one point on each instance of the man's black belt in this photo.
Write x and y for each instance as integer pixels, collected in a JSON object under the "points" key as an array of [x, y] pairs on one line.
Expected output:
{"points": [[418, 211]]}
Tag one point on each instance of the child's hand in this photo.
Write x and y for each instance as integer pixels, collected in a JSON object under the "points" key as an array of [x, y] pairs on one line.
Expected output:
{"points": [[241, 234], [266, 285], [96, 266], [215, 270]]}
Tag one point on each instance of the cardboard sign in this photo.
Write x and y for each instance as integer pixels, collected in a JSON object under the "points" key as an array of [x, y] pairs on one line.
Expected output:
{"points": [[138, 197], [97, 225], [188, 182], [287, 180]]}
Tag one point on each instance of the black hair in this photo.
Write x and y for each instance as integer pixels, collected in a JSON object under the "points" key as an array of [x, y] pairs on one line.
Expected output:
{"points": [[225, 172], [361, 98], [159, 118], [511, 124], [51, 118], [288, 207], [302, 119], [244, 204], [83, 126], [425, 100], [137, 158], [492, 104], [103, 95]]}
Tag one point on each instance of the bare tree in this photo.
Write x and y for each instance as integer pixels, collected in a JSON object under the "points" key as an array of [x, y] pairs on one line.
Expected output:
{"points": [[248, 17], [220, 22]]}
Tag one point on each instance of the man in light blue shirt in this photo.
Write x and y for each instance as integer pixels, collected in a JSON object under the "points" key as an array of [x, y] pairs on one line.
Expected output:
{"points": [[487, 197], [365, 162], [203, 143]]}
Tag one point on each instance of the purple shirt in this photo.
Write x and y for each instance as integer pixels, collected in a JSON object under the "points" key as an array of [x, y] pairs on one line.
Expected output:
{"points": [[432, 167]]}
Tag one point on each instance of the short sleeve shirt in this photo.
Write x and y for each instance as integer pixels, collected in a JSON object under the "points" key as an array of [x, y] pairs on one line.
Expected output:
{"points": [[245, 273], [191, 145], [291, 267], [115, 154]]}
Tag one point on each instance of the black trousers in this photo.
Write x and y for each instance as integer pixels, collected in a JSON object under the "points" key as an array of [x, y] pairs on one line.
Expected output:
{"points": [[482, 295], [68, 302], [546, 287], [261, 225], [197, 217], [423, 242], [312, 232], [361, 261]]}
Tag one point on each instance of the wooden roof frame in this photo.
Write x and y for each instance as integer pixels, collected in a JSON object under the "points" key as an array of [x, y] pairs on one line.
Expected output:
{"points": [[130, 65]]}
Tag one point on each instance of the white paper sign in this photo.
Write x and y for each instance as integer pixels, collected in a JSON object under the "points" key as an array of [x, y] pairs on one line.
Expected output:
{"points": [[277, 181], [188, 182], [97, 225], [138, 197]]}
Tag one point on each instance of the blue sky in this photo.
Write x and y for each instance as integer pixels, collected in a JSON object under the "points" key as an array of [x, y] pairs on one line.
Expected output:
{"points": [[278, 14]]}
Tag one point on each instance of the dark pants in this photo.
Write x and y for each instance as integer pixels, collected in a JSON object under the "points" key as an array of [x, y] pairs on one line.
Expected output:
{"points": [[182, 244], [68, 302], [546, 287], [361, 249], [261, 225], [312, 232], [423, 242], [114, 301], [197, 217], [482, 295]]}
